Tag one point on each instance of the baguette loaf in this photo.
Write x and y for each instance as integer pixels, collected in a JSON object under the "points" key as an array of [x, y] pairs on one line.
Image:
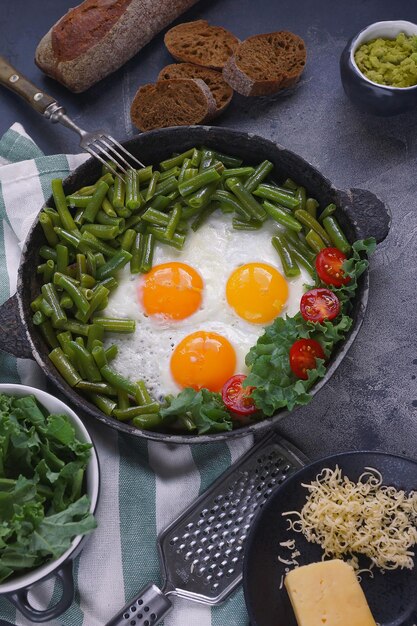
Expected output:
{"points": [[198, 42], [174, 102], [264, 64], [221, 91], [99, 36]]}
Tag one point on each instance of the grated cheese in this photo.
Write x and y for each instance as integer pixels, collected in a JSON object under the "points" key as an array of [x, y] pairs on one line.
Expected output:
{"points": [[364, 518]]}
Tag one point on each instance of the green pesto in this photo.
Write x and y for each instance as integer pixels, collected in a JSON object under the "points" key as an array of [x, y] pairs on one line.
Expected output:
{"points": [[390, 62]]}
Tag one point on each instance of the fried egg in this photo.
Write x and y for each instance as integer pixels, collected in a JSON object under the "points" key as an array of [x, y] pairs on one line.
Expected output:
{"points": [[200, 310]]}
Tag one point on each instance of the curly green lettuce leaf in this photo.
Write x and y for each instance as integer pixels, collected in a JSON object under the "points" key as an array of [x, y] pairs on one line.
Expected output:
{"points": [[204, 407]]}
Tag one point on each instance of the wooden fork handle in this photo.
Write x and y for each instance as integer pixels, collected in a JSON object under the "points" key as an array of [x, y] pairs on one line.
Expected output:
{"points": [[14, 80]]}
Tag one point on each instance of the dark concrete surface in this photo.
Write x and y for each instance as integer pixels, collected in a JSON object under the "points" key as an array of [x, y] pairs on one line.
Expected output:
{"points": [[371, 402]]}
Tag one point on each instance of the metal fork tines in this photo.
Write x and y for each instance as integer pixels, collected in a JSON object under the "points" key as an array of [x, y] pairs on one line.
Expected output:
{"points": [[97, 143]]}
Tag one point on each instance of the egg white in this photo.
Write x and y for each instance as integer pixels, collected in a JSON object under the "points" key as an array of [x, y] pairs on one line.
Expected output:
{"points": [[215, 251]]}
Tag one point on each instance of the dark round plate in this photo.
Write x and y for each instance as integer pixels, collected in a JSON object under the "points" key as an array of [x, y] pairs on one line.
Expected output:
{"points": [[392, 596]]}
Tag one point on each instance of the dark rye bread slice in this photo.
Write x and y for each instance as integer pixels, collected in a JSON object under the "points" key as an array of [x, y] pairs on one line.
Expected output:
{"points": [[174, 102], [198, 42], [221, 91], [264, 64]]}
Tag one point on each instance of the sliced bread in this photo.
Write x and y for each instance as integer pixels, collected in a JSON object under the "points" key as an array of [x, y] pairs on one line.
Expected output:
{"points": [[198, 42], [174, 102], [263, 64], [221, 91]]}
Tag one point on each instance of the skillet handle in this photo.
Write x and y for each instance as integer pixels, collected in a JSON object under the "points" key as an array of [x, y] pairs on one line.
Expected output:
{"points": [[369, 214], [13, 337]]}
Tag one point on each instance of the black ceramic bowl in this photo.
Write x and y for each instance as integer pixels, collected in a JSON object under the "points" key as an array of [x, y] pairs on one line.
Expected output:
{"points": [[360, 213], [364, 93]]}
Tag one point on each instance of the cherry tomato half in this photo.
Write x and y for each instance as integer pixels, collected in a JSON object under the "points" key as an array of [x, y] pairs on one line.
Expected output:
{"points": [[236, 397], [329, 263], [303, 355], [319, 304]]}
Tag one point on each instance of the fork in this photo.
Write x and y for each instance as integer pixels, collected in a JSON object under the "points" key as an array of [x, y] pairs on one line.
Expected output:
{"points": [[98, 143]]}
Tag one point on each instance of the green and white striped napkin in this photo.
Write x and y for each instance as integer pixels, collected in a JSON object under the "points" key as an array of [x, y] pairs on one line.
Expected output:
{"points": [[144, 486]]}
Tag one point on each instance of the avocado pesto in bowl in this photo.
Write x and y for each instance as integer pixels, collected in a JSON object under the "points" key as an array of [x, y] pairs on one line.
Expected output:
{"points": [[391, 62]]}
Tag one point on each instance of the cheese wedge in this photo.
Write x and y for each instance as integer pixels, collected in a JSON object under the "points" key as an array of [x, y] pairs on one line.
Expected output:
{"points": [[328, 594]]}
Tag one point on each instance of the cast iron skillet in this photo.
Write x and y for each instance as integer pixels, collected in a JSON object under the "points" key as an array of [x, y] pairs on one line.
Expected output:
{"points": [[392, 597], [360, 213]]}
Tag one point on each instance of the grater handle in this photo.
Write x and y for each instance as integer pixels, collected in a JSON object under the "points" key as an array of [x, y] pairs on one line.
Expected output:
{"points": [[148, 608]]}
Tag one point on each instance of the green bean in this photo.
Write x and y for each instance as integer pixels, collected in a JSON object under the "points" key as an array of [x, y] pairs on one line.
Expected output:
{"points": [[202, 217], [133, 221], [100, 259], [209, 175], [119, 191], [45, 252], [174, 171], [71, 278], [144, 174], [290, 184], [289, 264], [239, 225], [61, 204], [195, 158], [315, 242], [104, 403], [48, 229], [76, 327], [107, 208], [109, 283], [128, 413], [78, 217], [336, 234], [99, 356], [65, 339], [133, 197], [149, 421], [228, 200], [95, 203], [117, 261], [95, 332], [177, 240], [173, 221], [259, 174], [155, 217], [66, 302], [46, 308], [49, 334], [101, 231], [97, 387], [64, 367], [74, 293], [167, 185], [36, 303], [246, 199], [53, 216], [122, 400], [189, 211], [87, 281], [115, 325], [39, 318], [124, 213], [58, 316], [238, 172], [312, 206], [227, 160], [150, 192], [119, 382], [277, 194], [207, 159], [62, 258], [302, 259], [160, 203], [89, 366], [91, 263], [185, 165], [72, 238], [329, 210], [189, 173], [89, 242], [106, 178], [106, 168], [176, 160], [307, 220], [126, 240], [111, 353], [96, 302], [137, 252], [143, 393], [202, 197], [300, 194], [78, 201], [281, 216], [81, 262], [48, 271], [147, 255], [86, 191]]}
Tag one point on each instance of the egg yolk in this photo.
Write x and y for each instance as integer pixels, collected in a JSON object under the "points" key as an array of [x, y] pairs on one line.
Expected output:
{"points": [[203, 359], [173, 290], [257, 292]]}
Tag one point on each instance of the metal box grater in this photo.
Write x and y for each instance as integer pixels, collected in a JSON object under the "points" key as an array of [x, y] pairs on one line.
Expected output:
{"points": [[201, 552]]}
